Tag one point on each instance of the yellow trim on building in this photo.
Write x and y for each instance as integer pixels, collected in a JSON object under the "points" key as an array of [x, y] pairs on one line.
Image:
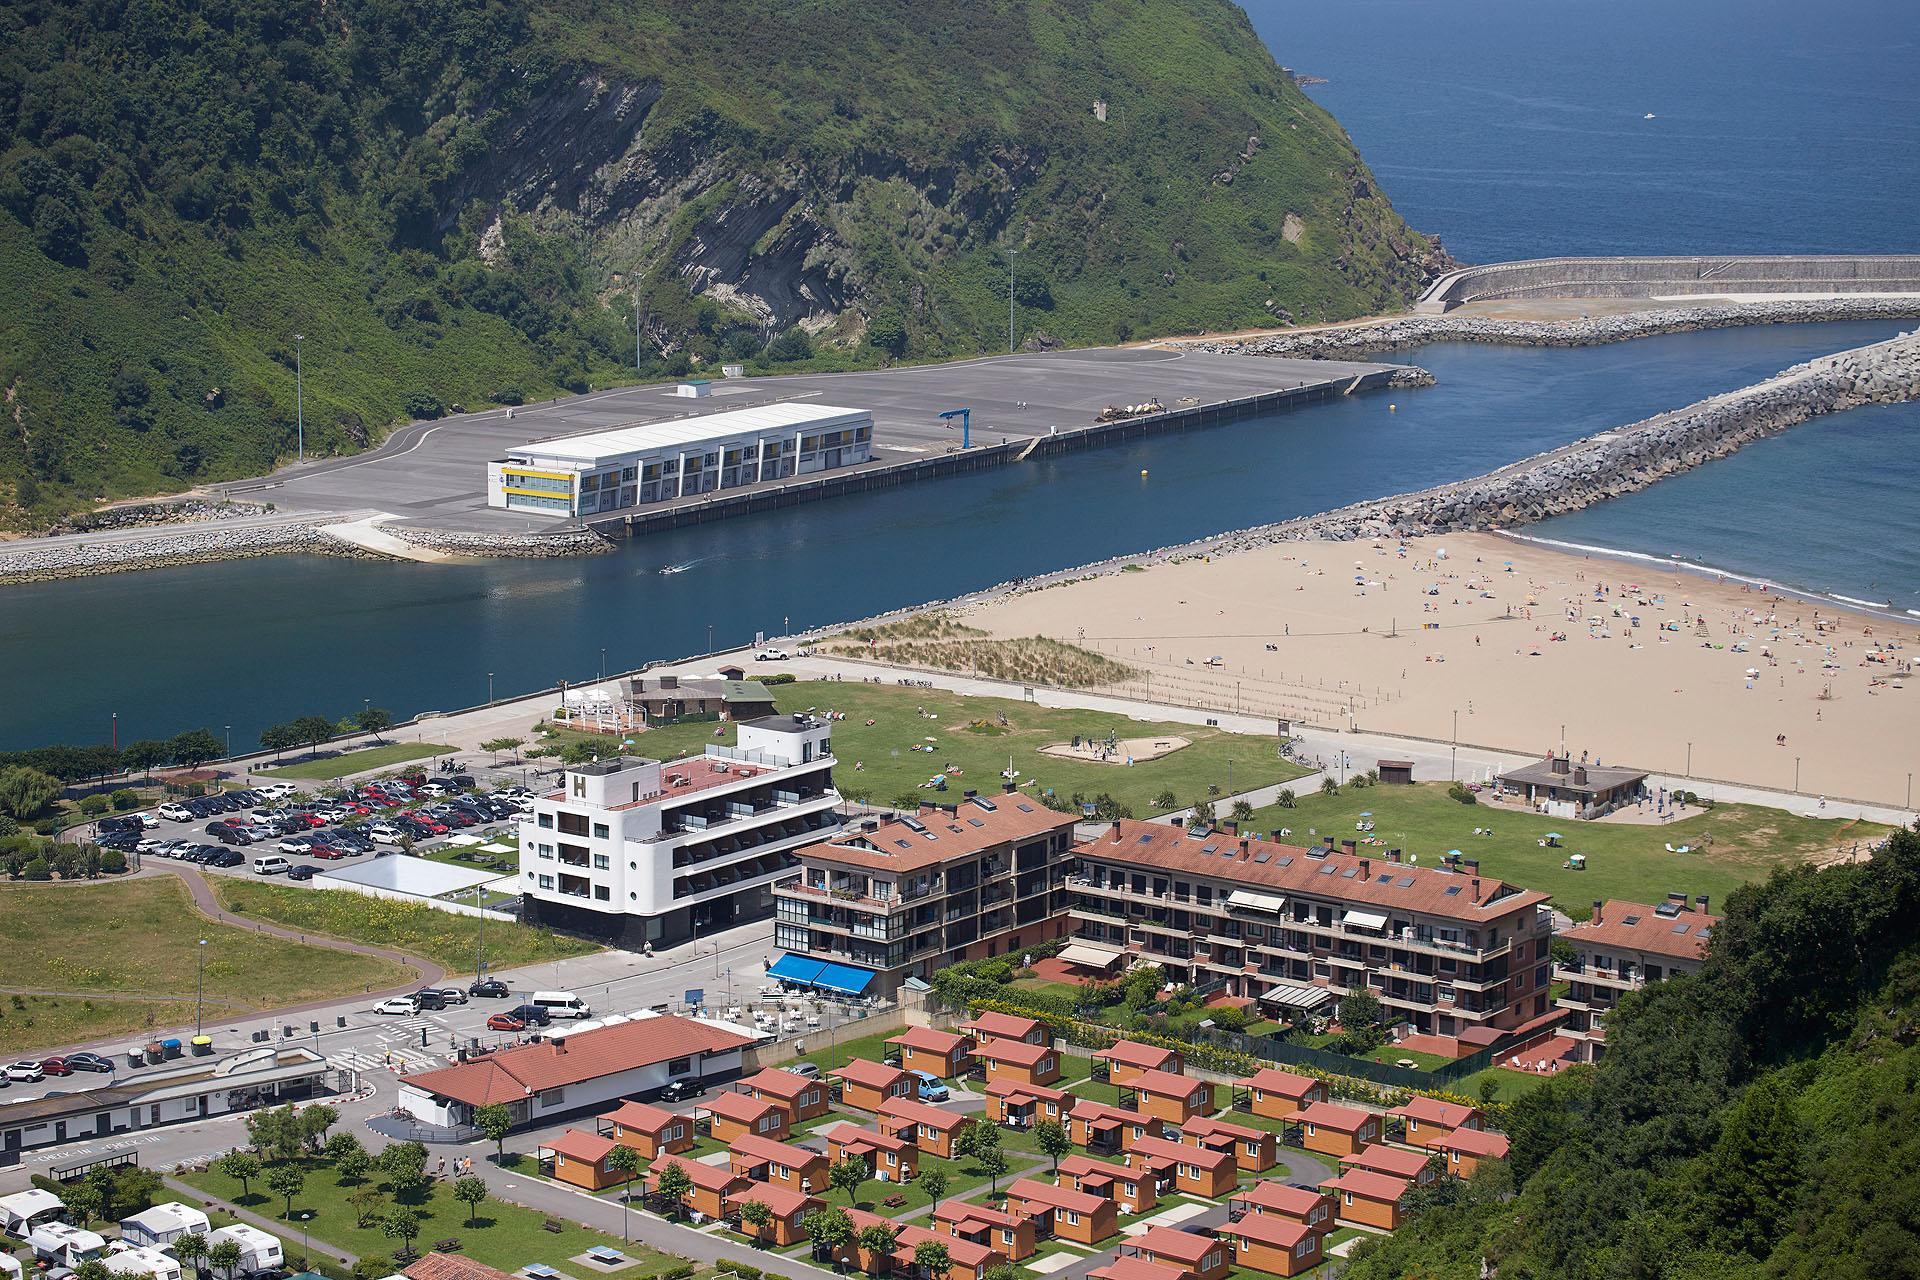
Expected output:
{"points": [[539, 493], [544, 475]]}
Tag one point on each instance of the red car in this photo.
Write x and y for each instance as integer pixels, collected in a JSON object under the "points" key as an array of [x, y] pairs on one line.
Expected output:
{"points": [[327, 852], [313, 820], [55, 1066], [432, 824], [505, 1022]]}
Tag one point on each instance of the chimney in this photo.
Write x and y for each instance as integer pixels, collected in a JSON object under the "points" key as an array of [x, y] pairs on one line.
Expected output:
{"points": [[1700, 904], [1366, 868], [1473, 865], [1007, 788], [1476, 888], [1393, 855], [1174, 819], [1244, 854], [926, 806], [1231, 827], [1350, 846], [1678, 900], [1329, 842], [1559, 764], [559, 1044], [1116, 831], [1597, 906], [969, 794], [1580, 776], [669, 682]]}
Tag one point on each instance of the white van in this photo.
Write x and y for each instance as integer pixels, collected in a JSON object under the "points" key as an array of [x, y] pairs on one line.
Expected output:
{"points": [[561, 1004], [274, 865]]}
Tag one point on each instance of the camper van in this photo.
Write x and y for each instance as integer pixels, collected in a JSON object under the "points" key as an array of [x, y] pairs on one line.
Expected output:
{"points": [[65, 1245], [131, 1260], [163, 1224], [258, 1250], [561, 1004], [22, 1211]]}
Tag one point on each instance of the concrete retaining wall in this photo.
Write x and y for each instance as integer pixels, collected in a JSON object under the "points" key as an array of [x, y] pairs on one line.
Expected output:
{"points": [[1659, 277]]}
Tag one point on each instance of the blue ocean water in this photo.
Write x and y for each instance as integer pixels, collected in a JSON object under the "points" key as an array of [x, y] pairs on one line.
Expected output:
{"points": [[1516, 129]]}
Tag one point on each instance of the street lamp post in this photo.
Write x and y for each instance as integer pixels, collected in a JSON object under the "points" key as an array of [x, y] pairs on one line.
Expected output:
{"points": [[229, 729], [1453, 766], [299, 397], [1010, 254], [489, 688], [603, 664], [1689, 761], [200, 984], [1796, 774]]}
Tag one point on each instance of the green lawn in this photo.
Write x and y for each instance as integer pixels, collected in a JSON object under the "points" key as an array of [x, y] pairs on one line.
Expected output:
{"points": [[324, 768], [441, 936], [141, 938], [1623, 861], [839, 1052], [503, 1235], [1394, 1054], [878, 759]]}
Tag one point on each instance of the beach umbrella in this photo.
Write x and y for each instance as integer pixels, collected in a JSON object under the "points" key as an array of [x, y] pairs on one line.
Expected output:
{"points": [[1366, 813], [1453, 853], [1553, 835]]}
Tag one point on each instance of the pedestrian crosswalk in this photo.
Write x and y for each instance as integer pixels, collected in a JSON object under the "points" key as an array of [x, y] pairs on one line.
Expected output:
{"points": [[396, 1058]]}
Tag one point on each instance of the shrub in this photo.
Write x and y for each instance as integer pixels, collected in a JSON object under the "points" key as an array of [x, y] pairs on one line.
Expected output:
{"points": [[1286, 799], [1229, 1018], [424, 404], [94, 805], [778, 677], [37, 869], [682, 1271], [795, 344], [125, 798], [113, 862], [1458, 792]]}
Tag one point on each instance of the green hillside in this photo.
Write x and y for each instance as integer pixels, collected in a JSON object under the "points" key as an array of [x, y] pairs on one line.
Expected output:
{"points": [[459, 203]]}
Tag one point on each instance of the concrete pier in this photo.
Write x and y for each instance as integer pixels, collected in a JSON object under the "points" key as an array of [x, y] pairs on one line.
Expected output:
{"points": [[1676, 277]]}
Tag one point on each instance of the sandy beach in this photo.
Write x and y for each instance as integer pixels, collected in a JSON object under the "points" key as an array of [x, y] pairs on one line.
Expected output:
{"points": [[1529, 647]]}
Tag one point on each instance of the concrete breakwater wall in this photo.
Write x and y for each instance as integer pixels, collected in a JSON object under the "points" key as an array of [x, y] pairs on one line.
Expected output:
{"points": [[1667, 276], [1627, 458], [1354, 341]]}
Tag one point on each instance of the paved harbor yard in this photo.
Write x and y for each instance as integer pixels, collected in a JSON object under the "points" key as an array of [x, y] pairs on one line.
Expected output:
{"points": [[434, 473]]}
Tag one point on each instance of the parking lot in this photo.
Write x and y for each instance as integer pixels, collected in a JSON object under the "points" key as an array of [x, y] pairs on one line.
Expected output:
{"points": [[442, 816]]}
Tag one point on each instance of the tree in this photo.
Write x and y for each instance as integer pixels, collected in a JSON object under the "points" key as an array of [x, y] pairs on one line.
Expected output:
{"points": [[933, 1259], [366, 1203], [92, 1269], [1328, 787], [124, 798], [225, 1255], [312, 1122], [470, 1191], [143, 755], [755, 1214], [287, 1181], [276, 1132], [496, 1121], [278, 737], [1053, 1139], [84, 1201], [793, 345], [674, 1185], [1360, 1017], [373, 720], [190, 1249], [242, 1166], [934, 1183], [829, 1231], [312, 730], [887, 333], [93, 805], [1166, 800], [194, 748], [1203, 813], [343, 1149], [372, 1267], [624, 1160], [500, 745], [847, 1175], [980, 1142], [879, 1240], [25, 792], [405, 1164], [1242, 811], [402, 1224], [1286, 799]]}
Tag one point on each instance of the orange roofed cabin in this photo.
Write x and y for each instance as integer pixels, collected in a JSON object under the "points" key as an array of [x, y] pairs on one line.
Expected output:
{"points": [[1279, 1199], [1128, 1059], [802, 1096], [1368, 1199], [1171, 1098], [1197, 1171], [735, 1115], [1021, 1106], [1395, 1162], [1005, 1026], [1019, 1061], [935, 1052], [1198, 1257], [711, 1184], [867, 1084], [1013, 1234], [765, 1160], [1466, 1148], [1106, 1130], [1253, 1150], [789, 1207], [1133, 1190], [1430, 1119], [934, 1131], [887, 1158], [1278, 1095], [581, 1159], [970, 1261], [1134, 1269], [1073, 1215], [1337, 1131], [651, 1131], [1276, 1245]]}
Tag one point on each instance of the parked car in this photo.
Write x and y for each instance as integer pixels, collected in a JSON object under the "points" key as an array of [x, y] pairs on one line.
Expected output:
{"points": [[679, 1091], [228, 858], [430, 998], [489, 988], [531, 1014], [385, 834], [453, 995], [402, 1005], [294, 844], [807, 1070], [84, 1061], [771, 655], [505, 1022], [931, 1088], [55, 1066], [176, 813], [26, 1071], [301, 872]]}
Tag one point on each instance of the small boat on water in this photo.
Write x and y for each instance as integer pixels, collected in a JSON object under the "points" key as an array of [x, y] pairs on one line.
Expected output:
{"points": [[1649, 116]]}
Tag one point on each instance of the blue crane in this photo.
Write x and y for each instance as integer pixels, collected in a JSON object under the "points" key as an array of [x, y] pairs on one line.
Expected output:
{"points": [[966, 425]]}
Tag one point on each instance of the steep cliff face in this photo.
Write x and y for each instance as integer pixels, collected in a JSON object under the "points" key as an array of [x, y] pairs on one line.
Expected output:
{"points": [[469, 203]]}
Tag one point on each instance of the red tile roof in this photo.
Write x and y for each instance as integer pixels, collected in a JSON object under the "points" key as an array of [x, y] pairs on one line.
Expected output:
{"points": [[927, 1040], [783, 1085], [852, 1135], [1171, 1242], [1018, 1052], [784, 1201], [1132, 1053], [708, 1177], [965, 1252], [1339, 1119], [1281, 1198], [512, 1075], [1088, 1110], [1650, 933], [1269, 1228], [1474, 1142], [1002, 1024], [874, 1075], [576, 1145], [640, 1116], [961, 1212], [1395, 1162], [1206, 1127], [1055, 1197], [1370, 1186], [917, 1112], [1284, 1083], [1427, 1110], [753, 1147], [899, 848], [1167, 1149], [1081, 1166], [1010, 1089], [741, 1108], [1164, 1084], [1170, 848], [441, 1266], [1135, 1269]]}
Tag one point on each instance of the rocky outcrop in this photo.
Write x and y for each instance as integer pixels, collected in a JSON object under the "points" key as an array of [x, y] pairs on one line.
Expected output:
{"points": [[139, 514], [1354, 342]]}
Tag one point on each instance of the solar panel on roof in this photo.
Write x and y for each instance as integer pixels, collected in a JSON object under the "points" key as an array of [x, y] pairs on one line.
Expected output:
{"points": [[1283, 862], [1210, 848], [1328, 870], [1024, 807], [975, 822], [1681, 928], [1262, 857], [1349, 873], [1404, 882], [1382, 879], [1452, 889]]}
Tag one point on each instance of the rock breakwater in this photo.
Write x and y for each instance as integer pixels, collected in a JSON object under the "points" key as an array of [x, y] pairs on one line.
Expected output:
{"points": [[46, 560], [1358, 341], [572, 542]]}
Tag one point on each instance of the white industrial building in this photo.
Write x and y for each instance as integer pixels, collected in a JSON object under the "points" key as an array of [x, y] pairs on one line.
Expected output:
{"points": [[632, 466], [635, 851]]}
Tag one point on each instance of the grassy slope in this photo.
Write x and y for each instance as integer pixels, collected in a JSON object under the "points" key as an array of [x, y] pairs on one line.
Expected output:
{"points": [[891, 768], [924, 140], [448, 939], [1623, 861]]}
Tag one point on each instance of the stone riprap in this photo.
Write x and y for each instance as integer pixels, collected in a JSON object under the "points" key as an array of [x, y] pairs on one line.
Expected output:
{"points": [[200, 543], [1351, 341], [174, 511], [534, 546]]}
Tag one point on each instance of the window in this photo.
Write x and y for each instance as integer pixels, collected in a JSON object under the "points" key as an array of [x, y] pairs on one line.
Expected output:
{"points": [[1073, 1219], [769, 1123], [1305, 1248], [679, 1067], [546, 821], [551, 1097], [546, 882], [601, 893], [601, 831], [546, 851], [602, 863], [675, 1132]]}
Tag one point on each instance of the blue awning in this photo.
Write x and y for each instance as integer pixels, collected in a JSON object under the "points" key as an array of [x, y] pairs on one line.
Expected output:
{"points": [[793, 968], [844, 978]]}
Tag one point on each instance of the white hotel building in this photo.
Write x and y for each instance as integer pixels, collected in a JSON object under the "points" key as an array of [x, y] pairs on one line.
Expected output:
{"points": [[632, 466], [634, 851]]}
